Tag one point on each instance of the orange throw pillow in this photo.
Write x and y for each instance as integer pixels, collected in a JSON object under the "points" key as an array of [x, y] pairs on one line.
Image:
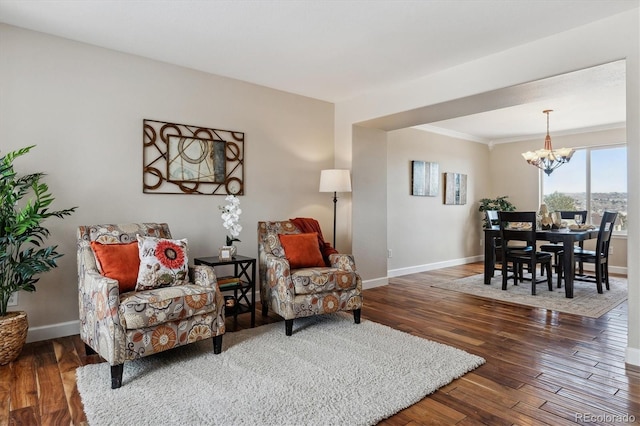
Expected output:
{"points": [[302, 250], [120, 262]]}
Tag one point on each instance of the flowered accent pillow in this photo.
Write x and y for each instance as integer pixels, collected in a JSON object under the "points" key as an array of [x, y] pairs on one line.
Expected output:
{"points": [[163, 263]]}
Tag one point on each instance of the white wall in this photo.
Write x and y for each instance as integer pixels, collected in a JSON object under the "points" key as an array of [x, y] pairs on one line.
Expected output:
{"points": [[604, 41], [423, 232], [369, 183], [83, 107]]}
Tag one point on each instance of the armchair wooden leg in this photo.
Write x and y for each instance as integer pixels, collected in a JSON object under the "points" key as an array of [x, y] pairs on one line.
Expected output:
{"points": [[217, 344], [265, 309], [356, 315], [116, 375], [89, 350], [288, 327]]}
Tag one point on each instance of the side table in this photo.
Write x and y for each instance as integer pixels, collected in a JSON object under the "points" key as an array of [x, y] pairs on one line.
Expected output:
{"points": [[244, 292]]}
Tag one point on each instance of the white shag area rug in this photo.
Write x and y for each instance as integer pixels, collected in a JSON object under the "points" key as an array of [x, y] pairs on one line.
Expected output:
{"points": [[330, 372], [586, 301]]}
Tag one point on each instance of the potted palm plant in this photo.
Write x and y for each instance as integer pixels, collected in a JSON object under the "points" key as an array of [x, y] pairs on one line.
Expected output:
{"points": [[24, 206]]}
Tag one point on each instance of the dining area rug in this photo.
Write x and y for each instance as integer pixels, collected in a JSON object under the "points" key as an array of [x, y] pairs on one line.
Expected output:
{"points": [[586, 301], [329, 372]]}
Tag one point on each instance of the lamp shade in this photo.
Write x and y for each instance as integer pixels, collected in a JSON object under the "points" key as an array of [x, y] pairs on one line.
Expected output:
{"points": [[335, 180]]}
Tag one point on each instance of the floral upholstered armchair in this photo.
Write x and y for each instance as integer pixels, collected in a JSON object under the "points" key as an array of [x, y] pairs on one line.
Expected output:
{"points": [[295, 283], [137, 295]]}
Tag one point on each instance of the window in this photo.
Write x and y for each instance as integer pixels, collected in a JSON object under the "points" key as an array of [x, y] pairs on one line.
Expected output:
{"points": [[594, 180]]}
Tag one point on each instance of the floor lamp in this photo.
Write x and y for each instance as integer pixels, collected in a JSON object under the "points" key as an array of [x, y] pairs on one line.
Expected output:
{"points": [[335, 180]]}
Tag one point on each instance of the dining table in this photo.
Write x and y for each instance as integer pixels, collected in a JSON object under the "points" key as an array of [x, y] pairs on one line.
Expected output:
{"points": [[568, 237]]}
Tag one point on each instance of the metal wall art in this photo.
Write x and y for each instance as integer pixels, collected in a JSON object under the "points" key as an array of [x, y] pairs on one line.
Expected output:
{"points": [[424, 178], [184, 159], [455, 188]]}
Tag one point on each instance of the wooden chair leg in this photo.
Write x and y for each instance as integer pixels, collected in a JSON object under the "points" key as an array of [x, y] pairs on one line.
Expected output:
{"points": [[288, 327], [116, 375], [505, 274], [356, 315], [265, 309], [549, 277], [605, 272], [599, 278], [533, 280], [559, 269], [555, 264]]}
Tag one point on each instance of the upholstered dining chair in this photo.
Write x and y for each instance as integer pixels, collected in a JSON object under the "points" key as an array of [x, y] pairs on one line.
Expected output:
{"points": [[137, 295], [301, 275], [599, 257], [521, 228]]}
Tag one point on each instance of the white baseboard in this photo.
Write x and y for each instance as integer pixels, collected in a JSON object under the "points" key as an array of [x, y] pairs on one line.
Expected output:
{"points": [[618, 270], [612, 269], [632, 357], [432, 266], [456, 262], [53, 331], [377, 282]]}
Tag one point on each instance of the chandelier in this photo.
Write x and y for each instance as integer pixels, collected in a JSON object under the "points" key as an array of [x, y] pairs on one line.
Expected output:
{"points": [[548, 159]]}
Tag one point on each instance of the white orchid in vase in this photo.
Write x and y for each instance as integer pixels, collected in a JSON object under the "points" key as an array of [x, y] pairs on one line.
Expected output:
{"points": [[230, 218]]}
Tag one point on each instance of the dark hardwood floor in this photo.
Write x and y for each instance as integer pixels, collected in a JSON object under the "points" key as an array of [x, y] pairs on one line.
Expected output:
{"points": [[542, 367]]}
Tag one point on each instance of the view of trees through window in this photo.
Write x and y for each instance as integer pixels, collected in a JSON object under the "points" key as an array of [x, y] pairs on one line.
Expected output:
{"points": [[594, 180]]}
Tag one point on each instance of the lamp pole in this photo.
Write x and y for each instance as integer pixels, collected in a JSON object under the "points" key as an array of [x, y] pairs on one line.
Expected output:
{"points": [[335, 180], [335, 203]]}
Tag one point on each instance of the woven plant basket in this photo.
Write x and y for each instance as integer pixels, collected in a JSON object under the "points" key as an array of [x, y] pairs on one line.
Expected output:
{"points": [[13, 334]]}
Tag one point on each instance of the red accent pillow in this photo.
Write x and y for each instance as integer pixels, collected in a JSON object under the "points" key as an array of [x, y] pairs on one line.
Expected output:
{"points": [[302, 250], [120, 262]]}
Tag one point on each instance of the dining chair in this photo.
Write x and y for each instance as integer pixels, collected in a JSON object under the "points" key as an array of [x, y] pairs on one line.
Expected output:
{"points": [[599, 257], [492, 220], [556, 248], [520, 227], [492, 217]]}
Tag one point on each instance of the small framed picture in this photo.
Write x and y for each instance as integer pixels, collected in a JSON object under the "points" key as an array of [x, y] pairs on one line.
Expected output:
{"points": [[224, 253], [424, 178]]}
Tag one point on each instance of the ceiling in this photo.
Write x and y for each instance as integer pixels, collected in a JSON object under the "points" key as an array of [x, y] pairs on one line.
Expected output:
{"points": [[586, 100], [337, 50]]}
